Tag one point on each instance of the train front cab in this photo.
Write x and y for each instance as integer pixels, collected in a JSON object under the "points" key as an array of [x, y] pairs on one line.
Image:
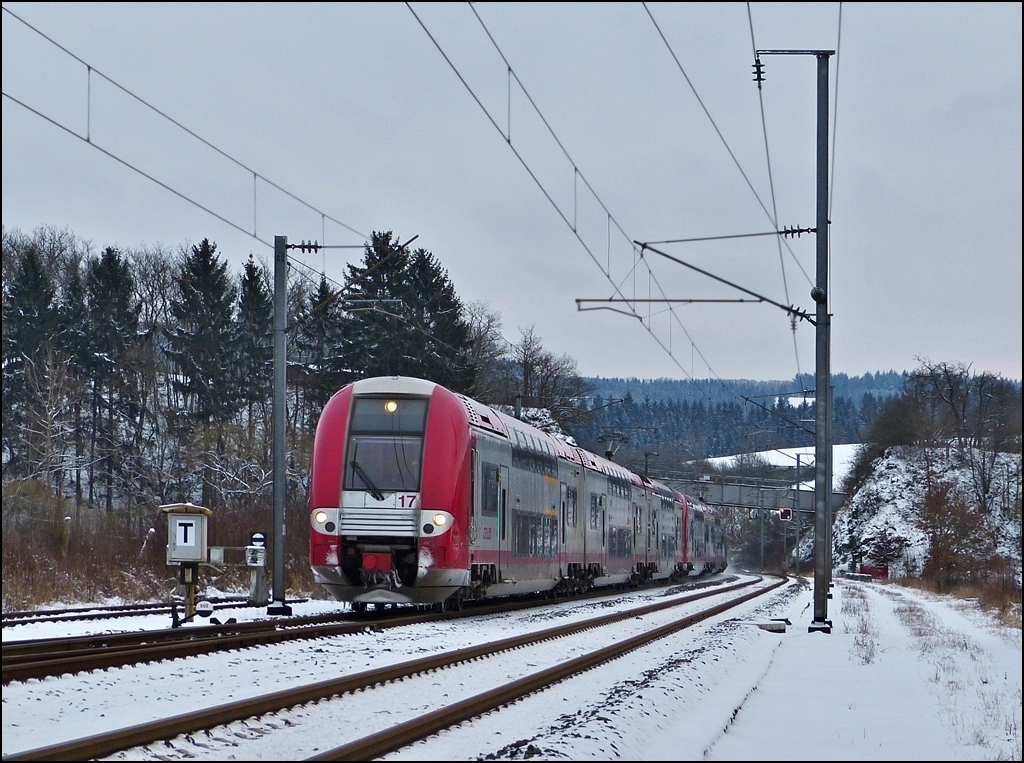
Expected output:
{"points": [[390, 493]]}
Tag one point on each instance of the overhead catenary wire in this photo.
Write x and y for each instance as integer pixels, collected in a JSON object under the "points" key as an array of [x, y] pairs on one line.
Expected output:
{"points": [[165, 186], [832, 157], [540, 185], [88, 137], [721, 137], [771, 181], [132, 167], [835, 114], [759, 79], [652, 276], [772, 217]]}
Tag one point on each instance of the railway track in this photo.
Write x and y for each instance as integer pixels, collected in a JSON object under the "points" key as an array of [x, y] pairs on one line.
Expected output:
{"points": [[23, 660], [43, 658], [405, 733], [71, 614]]}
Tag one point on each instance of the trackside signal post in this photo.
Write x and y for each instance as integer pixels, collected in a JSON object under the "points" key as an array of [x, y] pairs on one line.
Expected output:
{"points": [[822, 349], [186, 547], [278, 605]]}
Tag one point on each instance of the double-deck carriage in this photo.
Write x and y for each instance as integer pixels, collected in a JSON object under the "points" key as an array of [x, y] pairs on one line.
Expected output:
{"points": [[419, 495], [706, 541]]}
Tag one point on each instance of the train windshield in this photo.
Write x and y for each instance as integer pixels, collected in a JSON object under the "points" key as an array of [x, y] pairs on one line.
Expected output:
{"points": [[385, 445]]}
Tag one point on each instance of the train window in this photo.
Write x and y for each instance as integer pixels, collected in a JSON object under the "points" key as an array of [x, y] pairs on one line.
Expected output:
{"points": [[534, 535], [570, 506], [619, 542], [491, 485], [503, 512], [378, 415], [385, 445], [595, 512], [376, 463]]}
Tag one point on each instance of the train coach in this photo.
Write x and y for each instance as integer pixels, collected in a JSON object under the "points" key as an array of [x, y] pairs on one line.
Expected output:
{"points": [[422, 496]]}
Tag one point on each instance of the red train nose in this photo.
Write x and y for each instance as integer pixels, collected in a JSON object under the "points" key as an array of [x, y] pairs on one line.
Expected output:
{"points": [[376, 562]]}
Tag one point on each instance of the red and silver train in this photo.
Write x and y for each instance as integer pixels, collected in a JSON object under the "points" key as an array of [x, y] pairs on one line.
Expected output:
{"points": [[420, 495]]}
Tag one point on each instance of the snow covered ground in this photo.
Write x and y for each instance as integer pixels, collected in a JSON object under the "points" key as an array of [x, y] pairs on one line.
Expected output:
{"points": [[842, 460], [903, 675]]}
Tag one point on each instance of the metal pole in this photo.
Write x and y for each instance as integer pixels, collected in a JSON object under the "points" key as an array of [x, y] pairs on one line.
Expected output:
{"points": [[760, 513], [796, 510], [828, 479], [278, 605], [822, 371]]}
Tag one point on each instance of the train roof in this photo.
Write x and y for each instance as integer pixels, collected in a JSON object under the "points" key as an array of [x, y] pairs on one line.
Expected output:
{"points": [[483, 417], [515, 430], [526, 435]]}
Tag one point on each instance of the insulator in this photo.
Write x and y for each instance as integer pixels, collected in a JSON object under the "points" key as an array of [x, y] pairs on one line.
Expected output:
{"points": [[758, 68]]}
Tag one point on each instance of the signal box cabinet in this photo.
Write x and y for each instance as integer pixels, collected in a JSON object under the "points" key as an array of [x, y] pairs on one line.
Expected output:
{"points": [[186, 533]]}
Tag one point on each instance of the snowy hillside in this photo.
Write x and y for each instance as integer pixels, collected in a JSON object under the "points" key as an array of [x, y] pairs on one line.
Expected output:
{"points": [[884, 516], [843, 457]]}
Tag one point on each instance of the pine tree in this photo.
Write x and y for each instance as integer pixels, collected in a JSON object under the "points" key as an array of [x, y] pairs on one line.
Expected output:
{"points": [[75, 342], [203, 340], [255, 334], [113, 331], [376, 337], [405, 317], [30, 321], [203, 348], [318, 343], [437, 315]]}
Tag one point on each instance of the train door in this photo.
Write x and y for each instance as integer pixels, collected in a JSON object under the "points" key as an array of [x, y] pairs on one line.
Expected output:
{"points": [[504, 558], [677, 537], [638, 531], [650, 555], [595, 536], [477, 490], [684, 512], [563, 520], [656, 536]]}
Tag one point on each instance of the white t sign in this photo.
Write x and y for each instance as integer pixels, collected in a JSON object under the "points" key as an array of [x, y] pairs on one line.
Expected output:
{"points": [[186, 532]]}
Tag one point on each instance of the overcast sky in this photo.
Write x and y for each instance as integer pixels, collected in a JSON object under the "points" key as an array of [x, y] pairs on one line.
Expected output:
{"points": [[353, 109]]}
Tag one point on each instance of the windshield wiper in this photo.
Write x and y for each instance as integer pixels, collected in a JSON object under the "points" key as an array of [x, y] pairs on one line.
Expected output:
{"points": [[373, 489]]}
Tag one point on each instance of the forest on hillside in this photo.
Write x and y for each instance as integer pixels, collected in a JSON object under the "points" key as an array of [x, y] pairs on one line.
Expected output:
{"points": [[139, 377], [677, 423]]}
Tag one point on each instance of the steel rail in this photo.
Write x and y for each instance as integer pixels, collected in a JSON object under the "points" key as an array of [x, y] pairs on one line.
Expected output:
{"points": [[131, 639], [23, 667], [111, 742], [404, 734], [75, 614], [52, 657]]}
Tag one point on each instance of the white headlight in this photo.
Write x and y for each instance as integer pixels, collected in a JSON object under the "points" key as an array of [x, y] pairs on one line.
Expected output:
{"points": [[320, 517], [440, 520]]}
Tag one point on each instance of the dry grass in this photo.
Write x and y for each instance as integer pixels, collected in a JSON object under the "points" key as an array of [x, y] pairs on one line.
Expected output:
{"points": [[856, 610], [55, 554], [1000, 597]]}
